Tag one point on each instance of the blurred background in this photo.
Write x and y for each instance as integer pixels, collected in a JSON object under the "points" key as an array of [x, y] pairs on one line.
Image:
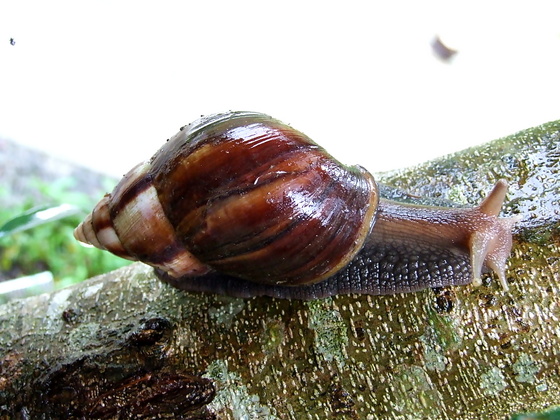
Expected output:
{"points": [[102, 84]]}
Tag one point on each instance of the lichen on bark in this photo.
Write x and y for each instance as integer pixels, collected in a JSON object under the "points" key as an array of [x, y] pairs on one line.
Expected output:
{"points": [[466, 352]]}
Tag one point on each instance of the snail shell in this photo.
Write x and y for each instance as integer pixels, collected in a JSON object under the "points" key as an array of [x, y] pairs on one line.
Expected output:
{"points": [[242, 204]]}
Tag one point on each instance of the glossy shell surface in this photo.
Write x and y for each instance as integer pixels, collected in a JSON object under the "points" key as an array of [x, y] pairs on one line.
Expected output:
{"points": [[243, 194]]}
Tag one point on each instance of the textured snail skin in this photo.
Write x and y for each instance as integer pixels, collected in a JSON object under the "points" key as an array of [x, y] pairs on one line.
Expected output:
{"points": [[243, 205], [410, 248]]}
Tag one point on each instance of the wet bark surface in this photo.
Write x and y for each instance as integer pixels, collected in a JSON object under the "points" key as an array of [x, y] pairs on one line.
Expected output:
{"points": [[125, 345]]}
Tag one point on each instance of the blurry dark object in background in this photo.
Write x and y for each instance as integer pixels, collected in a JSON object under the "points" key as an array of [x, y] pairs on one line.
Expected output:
{"points": [[442, 51], [12, 41]]}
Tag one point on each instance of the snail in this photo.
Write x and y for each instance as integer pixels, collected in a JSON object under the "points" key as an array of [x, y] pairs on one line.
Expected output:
{"points": [[241, 204]]}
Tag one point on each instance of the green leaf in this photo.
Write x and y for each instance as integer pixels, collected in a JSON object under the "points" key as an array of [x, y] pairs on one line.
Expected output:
{"points": [[37, 216]]}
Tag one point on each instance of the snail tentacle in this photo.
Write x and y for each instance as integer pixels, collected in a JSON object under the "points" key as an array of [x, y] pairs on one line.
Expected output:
{"points": [[491, 243]]}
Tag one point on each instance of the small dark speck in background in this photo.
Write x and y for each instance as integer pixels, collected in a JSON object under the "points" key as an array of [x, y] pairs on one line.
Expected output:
{"points": [[12, 41], [442, 51]]}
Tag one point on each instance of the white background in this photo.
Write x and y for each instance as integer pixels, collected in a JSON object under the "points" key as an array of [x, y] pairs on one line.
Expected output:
{"points": [[105, 83]]}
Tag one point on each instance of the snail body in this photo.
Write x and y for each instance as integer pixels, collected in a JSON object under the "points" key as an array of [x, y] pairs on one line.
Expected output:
{"points": [[244, 205]]}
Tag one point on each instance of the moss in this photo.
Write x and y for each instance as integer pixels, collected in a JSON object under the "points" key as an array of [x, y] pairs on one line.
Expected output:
{"points": [[492, 382], [273, 336], [225, 313], [417, 397], [434, 353], [551, 414], [232, 395], [525, 369], [331, 332]]}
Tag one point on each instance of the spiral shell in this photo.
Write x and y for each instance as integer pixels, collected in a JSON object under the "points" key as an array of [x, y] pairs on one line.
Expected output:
{"points": [[242, 194]]}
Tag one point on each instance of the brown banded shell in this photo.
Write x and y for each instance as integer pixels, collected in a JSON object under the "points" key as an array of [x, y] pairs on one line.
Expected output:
{"points": [[243, 194]]}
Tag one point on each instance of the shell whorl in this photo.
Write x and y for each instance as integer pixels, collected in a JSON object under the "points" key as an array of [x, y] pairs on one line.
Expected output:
{"points": [[243, 194], [130, 223]]}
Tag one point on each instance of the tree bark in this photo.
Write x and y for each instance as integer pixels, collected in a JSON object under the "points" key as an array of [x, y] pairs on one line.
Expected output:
{"points": [[124, 345]]}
